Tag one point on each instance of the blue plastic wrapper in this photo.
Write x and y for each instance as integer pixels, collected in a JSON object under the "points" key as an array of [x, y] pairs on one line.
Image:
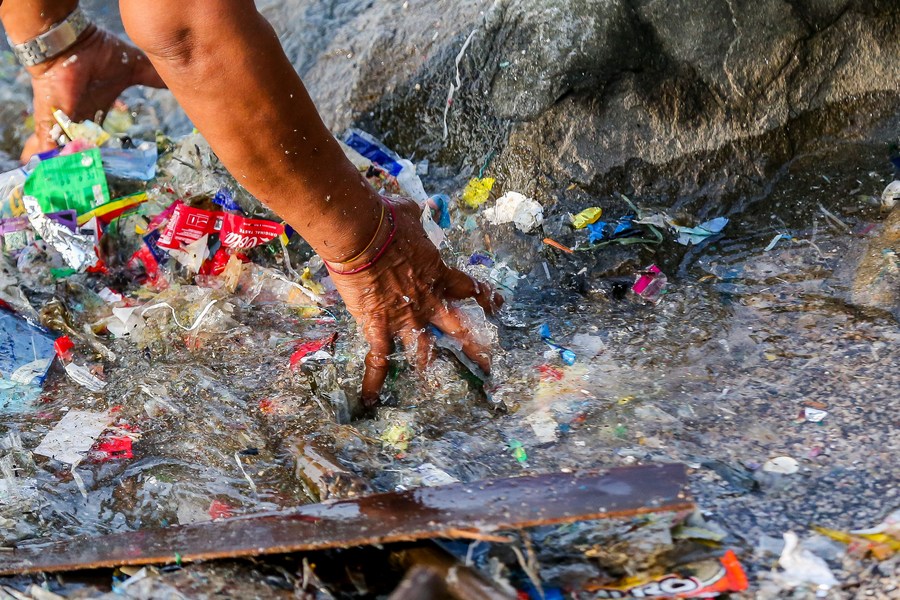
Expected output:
{"points": [[600, 230], [26, 353], [152, 241], [134, 163], [440, 209], [480, 258], [225, 199], [374, 150], [567, 356]]}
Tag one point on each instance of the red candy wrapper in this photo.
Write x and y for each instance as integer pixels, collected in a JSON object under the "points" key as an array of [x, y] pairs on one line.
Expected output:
{"points": [[112, 448]]}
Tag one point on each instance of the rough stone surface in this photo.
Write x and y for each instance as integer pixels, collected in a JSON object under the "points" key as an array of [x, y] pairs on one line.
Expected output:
{"points": [[651, 97], [594, 91]]}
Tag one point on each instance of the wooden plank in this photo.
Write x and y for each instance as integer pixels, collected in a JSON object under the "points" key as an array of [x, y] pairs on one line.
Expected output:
{"points": [[460, 510]]}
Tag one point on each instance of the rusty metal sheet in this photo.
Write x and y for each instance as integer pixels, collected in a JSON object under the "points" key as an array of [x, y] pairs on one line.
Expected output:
{"points": [[460, 510]]}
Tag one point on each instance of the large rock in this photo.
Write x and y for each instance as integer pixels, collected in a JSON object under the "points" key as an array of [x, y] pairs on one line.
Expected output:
{"points": [[602, 93], [660, 97]]}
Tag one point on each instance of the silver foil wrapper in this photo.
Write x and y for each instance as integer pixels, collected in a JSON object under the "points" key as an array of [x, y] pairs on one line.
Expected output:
{"points": [[76, 249]]}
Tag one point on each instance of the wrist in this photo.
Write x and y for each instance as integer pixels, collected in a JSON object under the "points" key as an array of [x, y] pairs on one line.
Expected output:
{"points": [[91, 32], [367, 256]]}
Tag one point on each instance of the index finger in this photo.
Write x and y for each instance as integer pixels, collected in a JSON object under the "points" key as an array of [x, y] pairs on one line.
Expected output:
{"points": [[377, 364]]}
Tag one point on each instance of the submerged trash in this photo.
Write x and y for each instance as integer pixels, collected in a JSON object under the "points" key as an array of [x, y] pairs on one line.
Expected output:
{"points": [[27, 351], [650, 284], [398, 436], [782, 465], [72, 438], [87, 131], [881, 541], [707, 579], [74, 182], [565, 354], [586, 217], [700, 233], [890, 195], [518, 451], [558, 246]]}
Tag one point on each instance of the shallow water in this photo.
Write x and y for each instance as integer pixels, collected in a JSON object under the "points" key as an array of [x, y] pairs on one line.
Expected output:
{"points": [[714, 376]]}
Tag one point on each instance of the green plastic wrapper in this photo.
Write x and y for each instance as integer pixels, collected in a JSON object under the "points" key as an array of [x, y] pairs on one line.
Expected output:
{"points": [[74, 182]]}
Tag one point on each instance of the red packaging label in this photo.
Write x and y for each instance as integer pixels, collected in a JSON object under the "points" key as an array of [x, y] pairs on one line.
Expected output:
{"points": [[239, 233], [188, 225], [306, 348], [113, 448]]}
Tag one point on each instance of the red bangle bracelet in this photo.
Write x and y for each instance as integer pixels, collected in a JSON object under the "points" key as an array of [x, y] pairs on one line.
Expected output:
{"points": [[378, 255]]}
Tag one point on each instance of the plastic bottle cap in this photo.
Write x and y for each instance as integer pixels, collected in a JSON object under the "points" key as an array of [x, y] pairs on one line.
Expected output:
{"points": [[63, 346]]}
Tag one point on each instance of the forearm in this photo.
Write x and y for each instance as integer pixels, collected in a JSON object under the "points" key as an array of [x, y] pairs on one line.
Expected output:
{"points": [[225, 65], [25, 19]]}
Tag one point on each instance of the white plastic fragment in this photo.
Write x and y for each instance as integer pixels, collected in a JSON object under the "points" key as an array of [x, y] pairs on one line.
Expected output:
{"points": [[432, 476], [783, 465], [775, 241], [192, 255], [125, 322], [698, 234], [73, 436], [17, 489], [890, 526], [891, 194], [587, 345], [83, 377], [107, 295], [814, 415], [513, 207], [543, 424], [802, 567]]}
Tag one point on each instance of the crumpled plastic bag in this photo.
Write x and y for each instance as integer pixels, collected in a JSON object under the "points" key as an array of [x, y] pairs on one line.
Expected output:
{"points": [[513, 207]]}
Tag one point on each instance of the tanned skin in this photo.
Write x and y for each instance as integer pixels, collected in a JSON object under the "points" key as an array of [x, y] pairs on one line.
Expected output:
{"points": [[226, 67]]}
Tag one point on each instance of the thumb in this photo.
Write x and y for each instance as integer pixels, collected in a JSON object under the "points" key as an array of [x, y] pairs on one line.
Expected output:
{"points": [[35, 144]]}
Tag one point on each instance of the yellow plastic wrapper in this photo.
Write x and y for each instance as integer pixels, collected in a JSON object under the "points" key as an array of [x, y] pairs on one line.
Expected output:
{"points": [[86, 130], [586, 217], [477, 191], [306, 279]]}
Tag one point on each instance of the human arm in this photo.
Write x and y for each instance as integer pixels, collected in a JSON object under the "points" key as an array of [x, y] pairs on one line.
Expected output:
{"points": [[225, 65], [80, 81]]}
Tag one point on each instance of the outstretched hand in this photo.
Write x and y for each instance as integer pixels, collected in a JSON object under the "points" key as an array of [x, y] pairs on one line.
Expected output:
{"points": [[84, 80], [406, 290]]}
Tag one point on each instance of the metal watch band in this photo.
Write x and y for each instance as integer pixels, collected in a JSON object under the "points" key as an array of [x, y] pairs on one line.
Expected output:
{"points": [[60, 38]]}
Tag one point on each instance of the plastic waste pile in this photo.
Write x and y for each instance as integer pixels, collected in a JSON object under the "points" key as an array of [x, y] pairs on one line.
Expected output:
{"points": [[117, 251]]}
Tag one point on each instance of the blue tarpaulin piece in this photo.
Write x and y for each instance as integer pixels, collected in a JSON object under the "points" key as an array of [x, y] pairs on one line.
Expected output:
{"points": [[26, 352]]}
